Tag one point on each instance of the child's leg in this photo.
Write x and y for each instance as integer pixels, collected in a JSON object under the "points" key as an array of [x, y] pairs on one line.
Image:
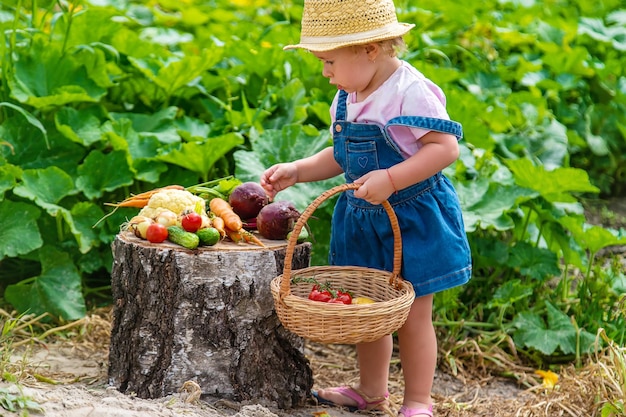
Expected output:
{"points": [[418, 353], [373, 361]]}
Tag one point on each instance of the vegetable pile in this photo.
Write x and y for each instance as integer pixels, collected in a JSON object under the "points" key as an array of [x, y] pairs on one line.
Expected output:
{"points": [[204, 214]]}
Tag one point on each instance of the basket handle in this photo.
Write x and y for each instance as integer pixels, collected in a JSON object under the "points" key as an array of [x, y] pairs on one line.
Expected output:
{"points": [[293, 240]]}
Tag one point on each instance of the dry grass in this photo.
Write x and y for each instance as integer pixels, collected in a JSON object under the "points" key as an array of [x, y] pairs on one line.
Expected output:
{"points": [[85, 338], [469, 382]]}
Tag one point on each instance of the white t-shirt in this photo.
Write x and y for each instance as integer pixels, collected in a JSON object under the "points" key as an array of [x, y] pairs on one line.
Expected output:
{"points": [[407, 92]]}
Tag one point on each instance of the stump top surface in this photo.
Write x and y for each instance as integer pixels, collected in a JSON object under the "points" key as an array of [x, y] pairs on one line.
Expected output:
{"points": [[222, 246]]}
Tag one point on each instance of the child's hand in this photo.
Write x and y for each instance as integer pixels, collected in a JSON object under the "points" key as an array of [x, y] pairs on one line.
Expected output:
{"points": [[278, 177], [375, 187]]}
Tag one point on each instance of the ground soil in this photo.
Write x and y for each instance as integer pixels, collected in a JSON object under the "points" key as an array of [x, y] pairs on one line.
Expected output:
{"points": [[68, 378]]}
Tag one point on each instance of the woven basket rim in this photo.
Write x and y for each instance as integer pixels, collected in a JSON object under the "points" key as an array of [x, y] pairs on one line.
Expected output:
{"points": [[296, 302]]}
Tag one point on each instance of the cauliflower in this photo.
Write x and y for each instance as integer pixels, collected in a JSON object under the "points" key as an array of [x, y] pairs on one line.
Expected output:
{"points": [[175, 200]]}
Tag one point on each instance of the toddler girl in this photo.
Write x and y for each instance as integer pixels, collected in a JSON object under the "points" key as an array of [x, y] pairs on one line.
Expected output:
{"points": [[391, 134]]}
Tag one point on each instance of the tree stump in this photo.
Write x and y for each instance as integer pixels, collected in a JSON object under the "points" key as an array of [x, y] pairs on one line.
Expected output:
{"points": [[207, 316]]}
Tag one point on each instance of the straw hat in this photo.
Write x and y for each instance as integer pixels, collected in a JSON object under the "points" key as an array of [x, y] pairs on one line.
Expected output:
{"points": [[332, 24]]}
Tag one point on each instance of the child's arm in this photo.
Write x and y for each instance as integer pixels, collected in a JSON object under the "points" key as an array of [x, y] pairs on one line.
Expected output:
{"points": [[439, 150], [317, 167]]}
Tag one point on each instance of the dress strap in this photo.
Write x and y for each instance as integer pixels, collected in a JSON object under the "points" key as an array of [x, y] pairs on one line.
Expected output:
{"points": [[342, 111], [427, 123], [421, 122]]}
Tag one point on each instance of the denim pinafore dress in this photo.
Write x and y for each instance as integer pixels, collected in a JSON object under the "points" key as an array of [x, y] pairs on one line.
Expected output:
{"points": [[435, 251]]}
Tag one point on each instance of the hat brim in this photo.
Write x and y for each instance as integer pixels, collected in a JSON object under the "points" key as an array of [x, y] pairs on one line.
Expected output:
{"points": [[327, 43]]}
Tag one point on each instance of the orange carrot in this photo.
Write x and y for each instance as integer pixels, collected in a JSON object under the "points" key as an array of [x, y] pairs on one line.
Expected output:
{"points": [[242, 235], [141, 200], [251, 238], [218, 223], [134, 202], [221, 208], [229, 223], [234, 235]]}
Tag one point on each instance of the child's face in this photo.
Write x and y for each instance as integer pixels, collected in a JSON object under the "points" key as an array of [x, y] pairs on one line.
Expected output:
{"points": [[348, 68]]}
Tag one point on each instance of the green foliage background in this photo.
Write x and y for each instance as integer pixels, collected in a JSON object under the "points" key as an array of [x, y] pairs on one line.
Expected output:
{"points": [[106, 98]]}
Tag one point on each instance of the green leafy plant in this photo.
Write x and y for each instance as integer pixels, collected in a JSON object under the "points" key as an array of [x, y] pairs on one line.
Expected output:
{"points": [[12, 398], [18, 402]]}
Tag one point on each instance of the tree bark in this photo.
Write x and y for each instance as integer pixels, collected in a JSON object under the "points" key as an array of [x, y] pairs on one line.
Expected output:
{"points": [[204, 315]]}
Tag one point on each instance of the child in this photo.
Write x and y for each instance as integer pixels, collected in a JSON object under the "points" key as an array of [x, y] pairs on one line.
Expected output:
{"points": [[392, 135]]}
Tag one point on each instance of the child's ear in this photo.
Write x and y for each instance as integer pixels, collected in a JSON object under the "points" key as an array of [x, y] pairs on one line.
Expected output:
{"points": [[372, 50]]}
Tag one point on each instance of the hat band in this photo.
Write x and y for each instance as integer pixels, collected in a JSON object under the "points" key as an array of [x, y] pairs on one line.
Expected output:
{"points": [[387, 30]]}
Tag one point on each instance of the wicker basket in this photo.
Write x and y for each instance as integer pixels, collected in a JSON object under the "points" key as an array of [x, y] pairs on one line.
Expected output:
{"points": [[339, 323]]}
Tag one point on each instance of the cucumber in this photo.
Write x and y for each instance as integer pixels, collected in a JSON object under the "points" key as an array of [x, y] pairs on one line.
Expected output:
{"points": [[209, 236], [183, 238]]}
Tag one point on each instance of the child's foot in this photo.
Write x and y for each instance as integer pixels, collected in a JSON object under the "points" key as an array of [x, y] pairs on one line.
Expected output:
{"points": [[351, 398], [411, 412]]}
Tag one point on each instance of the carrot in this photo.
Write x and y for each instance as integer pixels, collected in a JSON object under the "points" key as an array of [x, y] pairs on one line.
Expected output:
{"points": [[243, 235], [234, 235], [231, 224], [141, 200], [135, 202], [218, 223], [251, 238], [221, 208]]}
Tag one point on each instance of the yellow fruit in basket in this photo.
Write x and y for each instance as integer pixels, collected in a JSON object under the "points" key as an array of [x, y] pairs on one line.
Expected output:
{"points": [[362, 300]]}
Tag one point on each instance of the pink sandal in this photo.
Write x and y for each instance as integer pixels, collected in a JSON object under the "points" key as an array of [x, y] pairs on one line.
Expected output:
{"points": [[363, 402], [410, 412]]}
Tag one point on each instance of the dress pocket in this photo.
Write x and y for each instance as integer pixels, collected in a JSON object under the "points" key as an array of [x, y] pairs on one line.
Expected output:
{"points": [[362, 158]]}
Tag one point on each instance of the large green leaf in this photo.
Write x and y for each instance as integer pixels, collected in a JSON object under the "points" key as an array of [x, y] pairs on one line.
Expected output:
{"points": [[81, 126], [19, 232], [558, 333], [103, 172], [29, 118], [486, 205], [591, 237], [26, 148], [48, 78], [509, 293], [537, 263], [141, 151], [200, 156], [159, 125], [58, 290], [556, 185], [291, 105], [174, 73], [47, 185], [9, 174]]}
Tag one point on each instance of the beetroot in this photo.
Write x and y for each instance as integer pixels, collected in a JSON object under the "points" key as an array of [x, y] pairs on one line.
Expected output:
{"points": [[248, 199], [277, 219]]}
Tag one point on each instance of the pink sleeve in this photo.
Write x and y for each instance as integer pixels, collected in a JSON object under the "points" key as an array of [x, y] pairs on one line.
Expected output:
{"points": [[426, 99]]}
